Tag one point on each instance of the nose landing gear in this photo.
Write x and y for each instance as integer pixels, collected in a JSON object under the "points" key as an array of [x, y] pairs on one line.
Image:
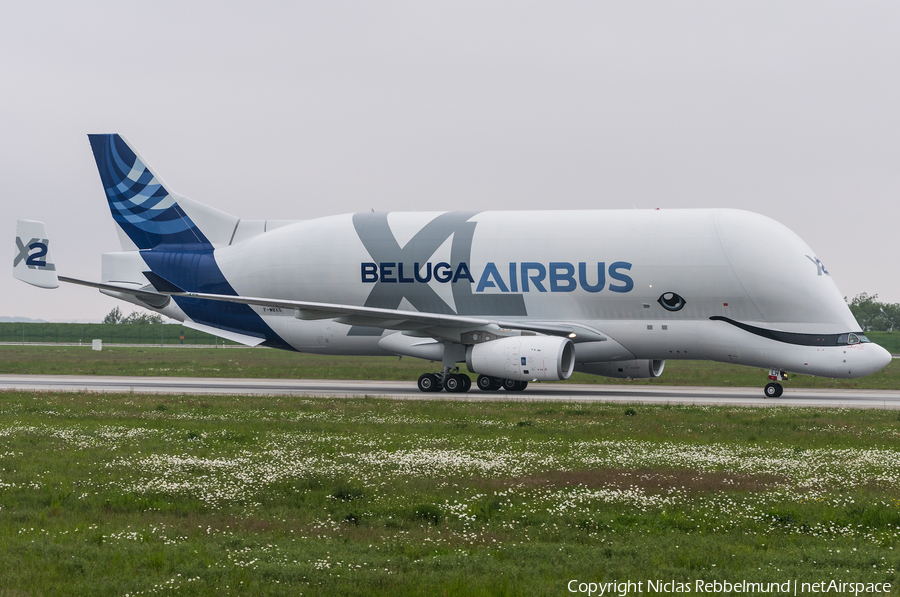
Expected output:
{"points": [[773, 389]]}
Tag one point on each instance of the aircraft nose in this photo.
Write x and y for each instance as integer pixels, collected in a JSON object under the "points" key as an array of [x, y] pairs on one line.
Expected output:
{"points": [[880, 358]]}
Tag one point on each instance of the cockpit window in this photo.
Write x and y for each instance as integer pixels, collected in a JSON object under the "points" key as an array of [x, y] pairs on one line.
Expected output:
{"points": [[852, 339]]}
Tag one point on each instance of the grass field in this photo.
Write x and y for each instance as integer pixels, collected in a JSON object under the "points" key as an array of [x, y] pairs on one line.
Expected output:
{"points": [[267, 363], [146, 495], [889, 340]]}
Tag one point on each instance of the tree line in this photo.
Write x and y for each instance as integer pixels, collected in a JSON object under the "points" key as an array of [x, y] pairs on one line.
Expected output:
{"points": [[115, 316], [873, 315]]}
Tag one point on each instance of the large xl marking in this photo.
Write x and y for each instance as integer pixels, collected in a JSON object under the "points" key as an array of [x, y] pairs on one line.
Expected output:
{"points": [[376, 236], [35, 260]]}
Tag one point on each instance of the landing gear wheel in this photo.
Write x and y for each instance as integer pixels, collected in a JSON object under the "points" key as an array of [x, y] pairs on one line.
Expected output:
{"points": [[486, 383], [773, 390], [514, 385], [428, 382], [467, 383], [455, 383]]}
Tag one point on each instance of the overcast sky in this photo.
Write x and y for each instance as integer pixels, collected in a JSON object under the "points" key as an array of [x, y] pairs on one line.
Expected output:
{"points": [[293, 110]]}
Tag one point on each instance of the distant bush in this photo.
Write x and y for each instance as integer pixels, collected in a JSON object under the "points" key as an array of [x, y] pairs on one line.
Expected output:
{"points": [[134, 318]]}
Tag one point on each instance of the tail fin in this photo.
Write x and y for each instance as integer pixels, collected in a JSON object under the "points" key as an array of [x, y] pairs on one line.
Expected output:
{"points": [[146, 211], [33, 262]]}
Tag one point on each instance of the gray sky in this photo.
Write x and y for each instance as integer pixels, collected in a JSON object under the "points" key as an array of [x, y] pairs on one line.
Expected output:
{"points": [[293, 110]]}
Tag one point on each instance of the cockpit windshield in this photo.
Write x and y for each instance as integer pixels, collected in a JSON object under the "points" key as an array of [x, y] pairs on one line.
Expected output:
{"points": [[852, 339]]}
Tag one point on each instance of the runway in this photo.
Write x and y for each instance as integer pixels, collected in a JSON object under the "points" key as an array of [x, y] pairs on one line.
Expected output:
{"points": [[398, 390]]}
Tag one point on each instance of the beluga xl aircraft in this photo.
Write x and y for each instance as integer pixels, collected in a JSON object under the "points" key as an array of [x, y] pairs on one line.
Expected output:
{"points": [[517, 296]]}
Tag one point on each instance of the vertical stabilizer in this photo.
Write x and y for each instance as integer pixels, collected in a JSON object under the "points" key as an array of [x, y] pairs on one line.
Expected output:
{"points": [[147, 212]]}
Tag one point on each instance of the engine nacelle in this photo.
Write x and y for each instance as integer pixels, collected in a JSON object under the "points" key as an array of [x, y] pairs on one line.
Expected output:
{"points": [[634, 369], [523, 358]]}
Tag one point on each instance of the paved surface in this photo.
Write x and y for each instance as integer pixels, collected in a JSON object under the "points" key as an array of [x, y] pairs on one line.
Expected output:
{"points": [[408, 391]]}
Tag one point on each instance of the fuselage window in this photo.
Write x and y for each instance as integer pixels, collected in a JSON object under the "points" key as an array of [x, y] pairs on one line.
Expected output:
{"points": [[842, 339], [854, 339]]}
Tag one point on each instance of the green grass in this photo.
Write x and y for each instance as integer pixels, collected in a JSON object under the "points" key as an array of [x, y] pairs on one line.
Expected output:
{"points": [[267, 363], [889, 340], [153, 495]]}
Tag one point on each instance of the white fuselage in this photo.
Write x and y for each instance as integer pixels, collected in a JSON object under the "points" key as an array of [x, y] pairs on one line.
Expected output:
{"points": [[603, 271]]}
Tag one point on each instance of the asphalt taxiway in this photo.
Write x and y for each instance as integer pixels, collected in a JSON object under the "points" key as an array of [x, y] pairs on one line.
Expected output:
{"points": [[545, 392]]}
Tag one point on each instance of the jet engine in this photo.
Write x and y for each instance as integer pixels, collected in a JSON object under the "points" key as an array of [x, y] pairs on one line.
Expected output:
{"points": [[523, 358], [635, 369]]}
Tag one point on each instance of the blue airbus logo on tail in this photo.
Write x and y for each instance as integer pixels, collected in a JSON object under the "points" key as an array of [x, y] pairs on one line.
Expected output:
{"points": [[139, 203]]}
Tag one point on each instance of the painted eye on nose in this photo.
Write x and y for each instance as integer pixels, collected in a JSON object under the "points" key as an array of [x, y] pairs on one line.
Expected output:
{"points": [[671, 301]]}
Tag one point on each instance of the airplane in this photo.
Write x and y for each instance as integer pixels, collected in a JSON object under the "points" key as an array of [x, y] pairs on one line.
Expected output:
{"points": [[516, 296]]}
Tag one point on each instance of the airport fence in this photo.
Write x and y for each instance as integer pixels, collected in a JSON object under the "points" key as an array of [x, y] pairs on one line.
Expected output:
{"points": [[110, 333]]}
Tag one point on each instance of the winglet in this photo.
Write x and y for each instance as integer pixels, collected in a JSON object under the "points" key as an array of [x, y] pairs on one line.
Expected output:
{"points": [[33, 262], [162, 285]]}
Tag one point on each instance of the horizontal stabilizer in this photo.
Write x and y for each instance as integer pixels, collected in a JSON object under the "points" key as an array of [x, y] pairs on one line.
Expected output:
{"points": [[33, 262], [161, 284]]}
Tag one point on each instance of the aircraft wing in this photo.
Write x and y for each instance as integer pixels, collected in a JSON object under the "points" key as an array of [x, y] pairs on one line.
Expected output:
{"points": [[390, 319]]}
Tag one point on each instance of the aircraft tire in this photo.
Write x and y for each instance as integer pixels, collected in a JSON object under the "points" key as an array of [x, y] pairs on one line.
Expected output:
{"points": [[773, 390], [514, 385], [428, 382], [467, 383], [486, 383], [454, 383]]}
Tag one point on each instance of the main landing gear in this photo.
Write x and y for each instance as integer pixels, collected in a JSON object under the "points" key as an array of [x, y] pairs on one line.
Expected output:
{"points": [[487, 383], [444, 380], [458, 383], [773, 389]]}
